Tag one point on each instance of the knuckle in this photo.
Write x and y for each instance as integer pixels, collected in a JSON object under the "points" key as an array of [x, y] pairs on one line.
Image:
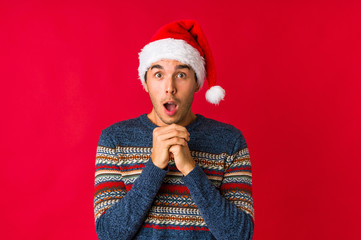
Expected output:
{"points": [[182, 128], [175, 141]]}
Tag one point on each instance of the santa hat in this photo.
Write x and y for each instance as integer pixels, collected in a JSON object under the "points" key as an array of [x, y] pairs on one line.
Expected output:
{"points": [[185, 42]]}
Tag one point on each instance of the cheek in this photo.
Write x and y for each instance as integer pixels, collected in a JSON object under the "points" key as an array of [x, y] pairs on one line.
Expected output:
{"points": [[153, 86], [155, 93], [154, 90], [191, 89]]}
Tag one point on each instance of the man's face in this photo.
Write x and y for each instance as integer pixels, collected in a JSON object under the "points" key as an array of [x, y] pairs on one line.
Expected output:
{"points": [[171, 86]]}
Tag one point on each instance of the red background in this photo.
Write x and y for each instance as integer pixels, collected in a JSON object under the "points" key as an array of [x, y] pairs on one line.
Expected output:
{"points": [[292, 75]]}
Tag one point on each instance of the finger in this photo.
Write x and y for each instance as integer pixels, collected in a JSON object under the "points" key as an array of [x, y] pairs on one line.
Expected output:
{"points": [[169, 128], [178, 149], [172, 134], [175, 141]]}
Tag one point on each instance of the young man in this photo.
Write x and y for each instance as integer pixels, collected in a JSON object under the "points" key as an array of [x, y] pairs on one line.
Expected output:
{"points": [[172, 174]]}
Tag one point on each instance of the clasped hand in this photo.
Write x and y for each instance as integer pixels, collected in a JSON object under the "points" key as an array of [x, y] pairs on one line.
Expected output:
{"points": [[172, 140]]}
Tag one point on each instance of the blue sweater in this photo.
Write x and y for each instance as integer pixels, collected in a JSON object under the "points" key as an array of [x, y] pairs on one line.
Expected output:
{"points": [[134, 199]]}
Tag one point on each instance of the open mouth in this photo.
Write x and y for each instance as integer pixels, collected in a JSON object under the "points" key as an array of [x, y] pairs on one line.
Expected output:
{"points": [[170, 107]]}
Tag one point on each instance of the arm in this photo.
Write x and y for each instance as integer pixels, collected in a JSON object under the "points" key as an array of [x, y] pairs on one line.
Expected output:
{"points": [[118, 213], [229, 212]]}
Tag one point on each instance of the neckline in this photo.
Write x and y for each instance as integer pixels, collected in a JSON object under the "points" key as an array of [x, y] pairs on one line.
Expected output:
{"points": [[145, 120]]}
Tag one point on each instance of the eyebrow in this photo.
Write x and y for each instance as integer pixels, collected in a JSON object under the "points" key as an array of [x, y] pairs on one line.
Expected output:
{"points": [[183, 66], [177, 67], [156, 66]]}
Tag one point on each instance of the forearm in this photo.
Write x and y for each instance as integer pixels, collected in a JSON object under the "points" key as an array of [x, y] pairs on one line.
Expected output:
{"points": [[223, 218], [125, 217]]}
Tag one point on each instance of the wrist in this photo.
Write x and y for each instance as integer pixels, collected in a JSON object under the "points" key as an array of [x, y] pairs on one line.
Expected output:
{"points": [[188, 169], [159, 164]]}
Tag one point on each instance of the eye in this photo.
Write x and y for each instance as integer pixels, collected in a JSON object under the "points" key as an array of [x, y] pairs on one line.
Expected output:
{"points": [[181, 75], [158, 75]]}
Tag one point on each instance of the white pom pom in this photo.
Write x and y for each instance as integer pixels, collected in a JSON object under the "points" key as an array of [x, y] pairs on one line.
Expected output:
{"points": [[215, 94]]}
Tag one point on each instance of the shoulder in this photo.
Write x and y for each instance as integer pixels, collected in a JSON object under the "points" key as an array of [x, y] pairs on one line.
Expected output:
{"points": [[121, 132], [208, 123], [122, 126], [222, 136]]}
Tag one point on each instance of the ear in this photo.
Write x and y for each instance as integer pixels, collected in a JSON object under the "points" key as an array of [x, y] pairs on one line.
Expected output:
{"points": [[197, 88], [145, 86]]}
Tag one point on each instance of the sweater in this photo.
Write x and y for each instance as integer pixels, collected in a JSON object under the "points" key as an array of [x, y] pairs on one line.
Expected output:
{"points": [[134, 199]]}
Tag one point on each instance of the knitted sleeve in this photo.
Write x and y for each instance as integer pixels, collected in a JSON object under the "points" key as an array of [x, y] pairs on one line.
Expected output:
{"points": [[118, 213], [236, 185], [228, 212]]}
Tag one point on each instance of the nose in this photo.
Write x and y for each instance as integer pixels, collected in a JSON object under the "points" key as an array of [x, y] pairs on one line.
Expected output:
{"points": [[170, 86]]}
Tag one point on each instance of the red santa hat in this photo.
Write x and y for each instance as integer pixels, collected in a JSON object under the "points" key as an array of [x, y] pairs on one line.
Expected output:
{"points": [[185, 42]]}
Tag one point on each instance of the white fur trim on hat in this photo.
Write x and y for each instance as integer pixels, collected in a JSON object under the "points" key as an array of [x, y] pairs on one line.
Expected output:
{"points": [[215, 94], [172, 49]]}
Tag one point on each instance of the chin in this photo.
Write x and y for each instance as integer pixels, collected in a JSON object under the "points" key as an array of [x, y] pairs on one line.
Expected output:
{"points": [[169, 120]]}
